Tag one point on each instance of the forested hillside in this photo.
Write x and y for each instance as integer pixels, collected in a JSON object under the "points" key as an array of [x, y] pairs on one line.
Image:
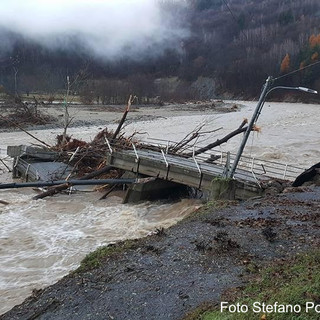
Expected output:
{"points": [[230, 49]]}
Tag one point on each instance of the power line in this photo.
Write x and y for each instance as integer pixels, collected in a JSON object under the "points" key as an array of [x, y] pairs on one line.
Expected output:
{"points": [[235, 18], [297, 70]]}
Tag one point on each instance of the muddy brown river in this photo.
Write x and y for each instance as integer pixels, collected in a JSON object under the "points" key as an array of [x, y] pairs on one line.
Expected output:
{"points": [[41, 241]]}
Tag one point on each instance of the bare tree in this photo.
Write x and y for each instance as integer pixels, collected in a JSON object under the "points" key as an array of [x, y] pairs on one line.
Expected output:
{"points": [[14, 63], [74, 85], [66, 112]]}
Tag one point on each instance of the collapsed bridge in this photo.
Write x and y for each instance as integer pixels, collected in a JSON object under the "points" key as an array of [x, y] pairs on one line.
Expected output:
{"points": [[206, 171]]}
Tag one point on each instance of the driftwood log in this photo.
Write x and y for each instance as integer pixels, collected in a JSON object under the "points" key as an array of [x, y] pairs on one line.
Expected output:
{"points": [[5, 165], [28, 133], [108, 192], [52, 191], [124, 116], [218, 142]]}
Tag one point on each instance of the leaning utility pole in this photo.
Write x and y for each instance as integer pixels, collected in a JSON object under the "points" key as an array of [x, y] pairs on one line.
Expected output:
{"points": [[250, 126], [265, 91]]}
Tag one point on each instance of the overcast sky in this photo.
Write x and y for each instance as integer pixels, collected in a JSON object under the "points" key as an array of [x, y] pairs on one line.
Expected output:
{"points": [[105, 27]]}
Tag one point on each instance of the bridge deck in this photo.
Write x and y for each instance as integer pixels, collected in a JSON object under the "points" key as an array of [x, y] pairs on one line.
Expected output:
{"points": [[175, 168]]}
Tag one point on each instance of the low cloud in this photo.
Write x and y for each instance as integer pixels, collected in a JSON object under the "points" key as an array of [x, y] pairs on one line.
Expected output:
{"points": [[105, 28]]}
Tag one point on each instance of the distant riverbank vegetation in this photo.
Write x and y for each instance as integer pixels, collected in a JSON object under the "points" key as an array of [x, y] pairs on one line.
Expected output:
{"points": [[231, 48]]}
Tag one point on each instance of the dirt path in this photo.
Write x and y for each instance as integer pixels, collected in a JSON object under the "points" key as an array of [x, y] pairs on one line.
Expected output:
{"points": [[166, 275]]}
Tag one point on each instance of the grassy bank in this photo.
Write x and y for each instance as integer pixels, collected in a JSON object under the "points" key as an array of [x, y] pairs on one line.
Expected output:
{"points": [[294, 282], [95, 259]]}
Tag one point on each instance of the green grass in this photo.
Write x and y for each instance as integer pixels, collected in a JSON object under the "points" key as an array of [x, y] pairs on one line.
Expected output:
{"points": [[94, 259], [293, 282]]}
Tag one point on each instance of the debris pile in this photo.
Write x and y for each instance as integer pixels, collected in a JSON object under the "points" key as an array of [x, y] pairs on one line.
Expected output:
{"points": [[89, 157], [21, 113], [84, 161]]}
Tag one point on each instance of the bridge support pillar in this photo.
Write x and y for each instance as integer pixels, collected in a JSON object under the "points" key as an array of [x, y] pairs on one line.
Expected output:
{"points": [[223, 189], [153, 190]]}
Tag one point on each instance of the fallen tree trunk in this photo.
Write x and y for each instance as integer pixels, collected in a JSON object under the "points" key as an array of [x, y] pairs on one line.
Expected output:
{"points": [[5, 165], [218, 142], [104, 196], [108, 192], [96, 173], [4, 202], [52, 191]]}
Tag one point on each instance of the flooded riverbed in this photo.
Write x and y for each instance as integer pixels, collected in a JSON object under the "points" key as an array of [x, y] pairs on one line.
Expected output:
{"points": [[41, 241]]}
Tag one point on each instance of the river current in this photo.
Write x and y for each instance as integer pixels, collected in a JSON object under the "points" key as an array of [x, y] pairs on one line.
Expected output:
{"points": [[41, 241]]}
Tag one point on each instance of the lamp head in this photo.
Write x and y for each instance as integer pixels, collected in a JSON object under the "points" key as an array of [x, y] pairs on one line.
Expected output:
{"points": [[307, 90]]}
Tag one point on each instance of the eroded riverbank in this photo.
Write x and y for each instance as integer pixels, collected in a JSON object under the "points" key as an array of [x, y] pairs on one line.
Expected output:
{"points": [[41, 241], [166, 275]]}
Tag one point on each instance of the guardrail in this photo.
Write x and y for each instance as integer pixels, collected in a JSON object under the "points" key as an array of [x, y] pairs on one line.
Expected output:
{"points": [[257, 167], [248, 166]]}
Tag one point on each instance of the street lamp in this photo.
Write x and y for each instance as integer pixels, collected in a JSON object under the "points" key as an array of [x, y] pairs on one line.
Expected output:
{"points": [[265, 91]]}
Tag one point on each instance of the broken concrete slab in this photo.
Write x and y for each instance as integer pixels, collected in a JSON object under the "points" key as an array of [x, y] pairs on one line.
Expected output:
{"points": [[41, 171], [32, 152], [37, 164]]}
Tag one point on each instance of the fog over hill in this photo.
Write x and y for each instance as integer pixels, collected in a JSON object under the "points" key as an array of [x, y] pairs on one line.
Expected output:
{"points": [[236, 43], [103, 29]]}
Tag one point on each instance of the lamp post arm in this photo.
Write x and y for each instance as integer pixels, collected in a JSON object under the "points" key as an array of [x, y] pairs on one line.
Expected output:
{"points": [[255, 117], [265, 96], [303, 89]]}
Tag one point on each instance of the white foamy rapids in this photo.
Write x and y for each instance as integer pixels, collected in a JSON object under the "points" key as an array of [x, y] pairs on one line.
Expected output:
{"points": [[290, 132], [41, 241]]}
